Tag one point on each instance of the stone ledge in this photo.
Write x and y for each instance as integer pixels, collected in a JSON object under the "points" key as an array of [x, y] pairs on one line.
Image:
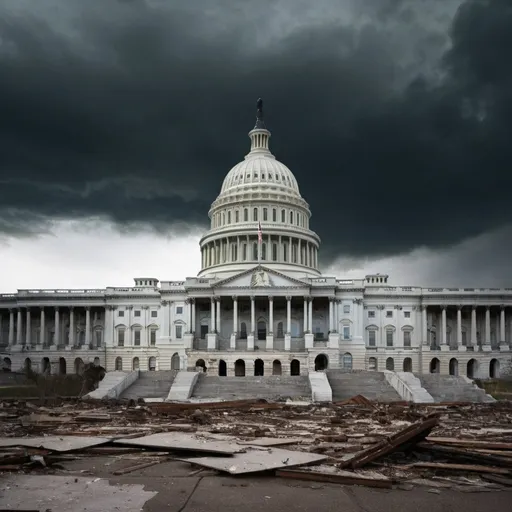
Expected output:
{"points": [[113, 384], [408, 387], [182, 386], [320, 388]]}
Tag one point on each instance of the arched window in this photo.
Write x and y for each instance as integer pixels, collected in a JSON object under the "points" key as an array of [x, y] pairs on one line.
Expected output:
{"points": [[291, 217], [347, 361], [223, 218], [263, 251], [229, 217], [234, 252], [280, 333], [285, 252], [274, 252], [254, 251], [244, 252], [119, 364], [237, 216], [246, 214], [243, 331], [255, 214], [372, 364], [265, 214], [274, 215], [283, 216]]}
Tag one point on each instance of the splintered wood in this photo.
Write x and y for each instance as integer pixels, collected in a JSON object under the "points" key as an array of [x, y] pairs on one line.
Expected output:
{"points": [[356, 442]]}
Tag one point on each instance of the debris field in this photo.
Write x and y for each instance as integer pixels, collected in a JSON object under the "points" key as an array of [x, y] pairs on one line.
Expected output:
{"points": [[356, 442]]}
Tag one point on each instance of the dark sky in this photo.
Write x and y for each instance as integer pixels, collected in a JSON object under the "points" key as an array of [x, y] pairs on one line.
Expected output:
{"points": [[395, 116]]}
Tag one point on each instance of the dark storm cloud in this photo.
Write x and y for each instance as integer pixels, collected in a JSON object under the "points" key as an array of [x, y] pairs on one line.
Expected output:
{"points": [[137, 110]]}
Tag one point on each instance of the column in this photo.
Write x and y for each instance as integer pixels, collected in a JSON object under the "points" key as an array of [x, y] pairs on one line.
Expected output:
{"points": [[42, 328], [459, 326], [473, 326], [331, 308], [72, 330], [11, 327], [212, 315], [253, 316], [235, 315], [217, 323], [335, 316], [128, 333], [305, 315], [424, 325], [310, 321], [443, 325], [57, 327], [487, 338], [28, 329], [288, 315], [271, 314], [19, 328], [87, 326], [193, 316], [502, 326], [361, 318]]}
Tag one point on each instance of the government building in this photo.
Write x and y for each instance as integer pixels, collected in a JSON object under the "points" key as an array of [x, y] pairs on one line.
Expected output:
{"points": [[260, 304]]}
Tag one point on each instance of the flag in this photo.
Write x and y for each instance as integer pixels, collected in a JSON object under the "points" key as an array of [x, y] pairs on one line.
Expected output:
{"points": [[260, 233]]}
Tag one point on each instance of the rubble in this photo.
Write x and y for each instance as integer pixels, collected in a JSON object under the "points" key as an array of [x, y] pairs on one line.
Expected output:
{"points": [[356, 442]]}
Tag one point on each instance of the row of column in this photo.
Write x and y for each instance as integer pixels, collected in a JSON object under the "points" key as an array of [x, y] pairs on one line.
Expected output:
{"points": [[23, 336], [473, 338]]}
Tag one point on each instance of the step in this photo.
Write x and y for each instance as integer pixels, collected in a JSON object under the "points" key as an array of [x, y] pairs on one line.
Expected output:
{"points": [[451, 388], [150, 385]]}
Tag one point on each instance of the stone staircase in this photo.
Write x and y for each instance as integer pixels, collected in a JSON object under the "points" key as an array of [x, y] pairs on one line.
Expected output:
{"points": [[449, 388], [372, 385], [272, 387], [150, 385]]}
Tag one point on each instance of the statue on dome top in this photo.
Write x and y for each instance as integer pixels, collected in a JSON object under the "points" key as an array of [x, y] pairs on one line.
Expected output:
{"points": [[259, 108]]}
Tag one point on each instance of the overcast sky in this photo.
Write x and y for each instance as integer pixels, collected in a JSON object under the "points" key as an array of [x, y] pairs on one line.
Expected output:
{"points": [[120, 118]]}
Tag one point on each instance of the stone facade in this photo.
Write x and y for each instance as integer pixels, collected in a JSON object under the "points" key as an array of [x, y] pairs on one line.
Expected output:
{"points": [[260, 304]]}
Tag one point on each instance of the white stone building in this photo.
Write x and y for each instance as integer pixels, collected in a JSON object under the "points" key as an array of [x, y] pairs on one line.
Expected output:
{"points": [[260, 305]]}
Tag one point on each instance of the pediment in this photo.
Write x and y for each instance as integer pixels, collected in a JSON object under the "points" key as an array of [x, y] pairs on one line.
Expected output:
{"points": [[260, 277]]}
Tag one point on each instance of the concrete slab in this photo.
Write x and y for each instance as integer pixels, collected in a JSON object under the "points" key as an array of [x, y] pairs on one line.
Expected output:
{"points": [[70, 494], [320, 388], [55, 443], [272, 441], [254, 460], [182, 441]]}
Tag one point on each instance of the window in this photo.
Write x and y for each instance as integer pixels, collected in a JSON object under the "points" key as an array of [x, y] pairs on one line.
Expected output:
{"points": [[237, 216], [120, 313], [389, 337], [263, 251], [229, 217], [265, 214], [407, 314], [346, 332], [243, 331], [179, 310], [389, 314], [464, 339], [179, 332], [154, 314], [255, 251], [234, 252], [136, 338], [283, 216], [152, 337], [274, 252], [285, 252], [371, 314], [255, 214], [372, 335], [99, 337], [372, 363], [244, 252], [246, 214], [407, 338], [347, 361], [136, 312], [291, 217], [346, 308], [120, 338], [274, 215]]}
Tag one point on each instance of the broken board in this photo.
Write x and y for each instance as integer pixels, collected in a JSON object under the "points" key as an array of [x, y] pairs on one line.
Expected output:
{"points": [[55, 443], [272, 441], [254, 460], [182, 441]]}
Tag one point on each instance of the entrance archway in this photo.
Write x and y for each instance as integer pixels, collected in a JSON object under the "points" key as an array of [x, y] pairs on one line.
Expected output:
{"points": [[390, 364], [119, 364], [295, 367], [79, 366], [407, 366], [152, 364], [45, 365], [346, 361], [223, 369], [175, 361], [276, 368], [453, 367], [200, 364], [135, 363], [62, 366], [262, 331], [259, 368], [28, 364], [435, 365], [321, 362], [7, 364], [472, 368], [494, 369], [239, 368]]}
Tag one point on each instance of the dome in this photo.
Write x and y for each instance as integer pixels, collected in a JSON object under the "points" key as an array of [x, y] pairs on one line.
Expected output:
{"points": [[260, 170]]}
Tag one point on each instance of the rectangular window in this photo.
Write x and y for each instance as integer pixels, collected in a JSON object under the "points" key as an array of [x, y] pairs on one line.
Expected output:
{"points": [[389, 338], [136, 338], [346, 308], [99, 337], [274, 215], [179, 332], [237, 216], [179, 310], [407, 314], [120, 313], [265, 214], [371, 338], [407, 338], [152, 337], [120, 338], [371, 314], [389, 314], [346, 332], [136, 312], [464, 339], [154, 314]]}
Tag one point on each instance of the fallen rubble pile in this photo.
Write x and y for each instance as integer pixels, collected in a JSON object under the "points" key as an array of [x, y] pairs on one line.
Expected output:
{"points": [[355, 442]]}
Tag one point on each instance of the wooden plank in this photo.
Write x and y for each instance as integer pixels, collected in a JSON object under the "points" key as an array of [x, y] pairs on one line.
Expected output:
{"points": [[471, 443], [460, 467]]}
